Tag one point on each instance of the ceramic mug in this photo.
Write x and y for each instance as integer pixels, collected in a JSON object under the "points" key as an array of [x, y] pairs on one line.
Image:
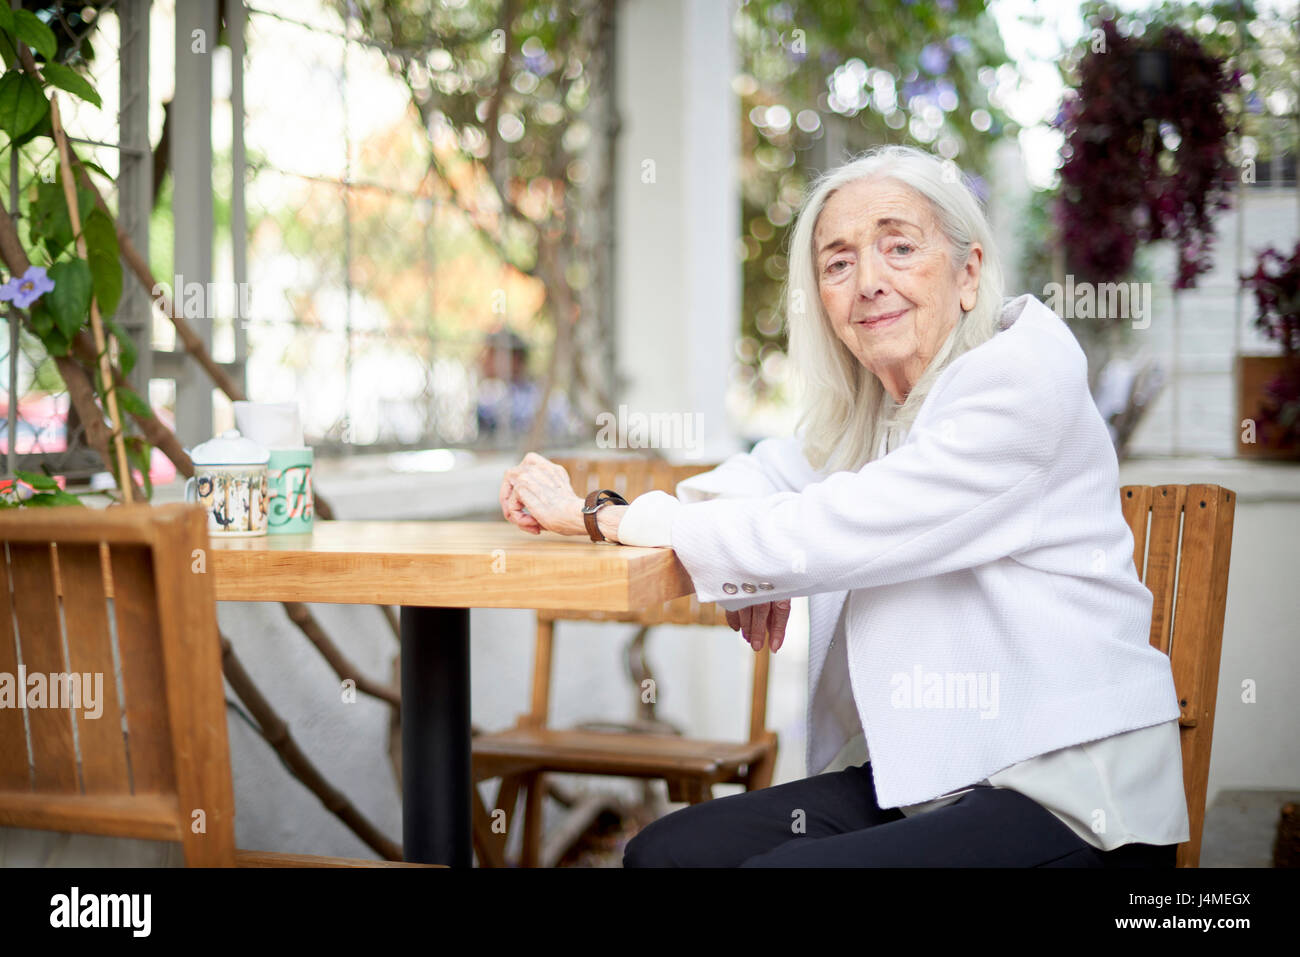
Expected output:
{"points": [[292, 507], [234, 496]]}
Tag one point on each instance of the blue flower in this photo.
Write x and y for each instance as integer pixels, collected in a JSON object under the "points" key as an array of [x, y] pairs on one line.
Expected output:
{"points": [[933, 58], [26, 289]]}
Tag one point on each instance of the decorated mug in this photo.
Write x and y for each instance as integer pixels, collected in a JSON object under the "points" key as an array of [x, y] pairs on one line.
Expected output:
{"points": [[292, 508], [230, 482]]}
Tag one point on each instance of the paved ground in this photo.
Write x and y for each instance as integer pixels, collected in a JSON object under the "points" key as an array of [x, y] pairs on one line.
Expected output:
{"points": [[1241, 826]]}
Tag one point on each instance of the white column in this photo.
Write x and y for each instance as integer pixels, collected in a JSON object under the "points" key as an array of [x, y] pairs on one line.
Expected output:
{"points": [[677, 275], [191, 161]]}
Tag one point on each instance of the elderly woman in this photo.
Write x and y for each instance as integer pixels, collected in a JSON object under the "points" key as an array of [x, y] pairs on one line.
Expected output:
{"points": [[981, 687]]}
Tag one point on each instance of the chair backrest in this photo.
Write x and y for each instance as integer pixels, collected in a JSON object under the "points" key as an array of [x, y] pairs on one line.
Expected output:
{"points": [[630, 477], [1182, 540], [120, 598]]}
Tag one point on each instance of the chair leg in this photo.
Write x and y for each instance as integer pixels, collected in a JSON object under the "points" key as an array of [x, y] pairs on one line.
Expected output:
{"points": [[690, 790], [535, 786], [700, 792], [760, 772], [489, 845]]}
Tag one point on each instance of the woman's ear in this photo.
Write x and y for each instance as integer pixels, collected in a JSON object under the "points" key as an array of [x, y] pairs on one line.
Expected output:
{"points": [[969, 280]]}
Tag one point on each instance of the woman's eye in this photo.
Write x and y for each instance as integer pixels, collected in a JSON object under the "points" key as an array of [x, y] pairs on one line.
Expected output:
{"points": [[839, 262], [901, 249]]}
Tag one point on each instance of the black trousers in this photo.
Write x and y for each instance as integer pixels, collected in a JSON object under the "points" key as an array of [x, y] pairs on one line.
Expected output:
{"points": [[833, 820]]}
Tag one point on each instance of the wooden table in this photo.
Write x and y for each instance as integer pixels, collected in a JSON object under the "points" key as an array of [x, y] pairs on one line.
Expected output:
{"points": [[436, 572]]}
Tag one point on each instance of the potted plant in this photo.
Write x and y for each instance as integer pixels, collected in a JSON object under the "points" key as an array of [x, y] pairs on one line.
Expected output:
{"points": [[1269, 386]]}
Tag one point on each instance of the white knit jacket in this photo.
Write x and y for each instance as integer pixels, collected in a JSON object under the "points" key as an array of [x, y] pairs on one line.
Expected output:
{"points": [[985, 561]]}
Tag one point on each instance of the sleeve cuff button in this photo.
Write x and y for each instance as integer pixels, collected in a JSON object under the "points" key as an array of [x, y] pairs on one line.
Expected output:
{"points": [[729, 588]]}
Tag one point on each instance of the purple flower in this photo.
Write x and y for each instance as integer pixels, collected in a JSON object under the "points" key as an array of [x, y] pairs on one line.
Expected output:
{"points": [[26, 289], [933, 58], [539, 64]]}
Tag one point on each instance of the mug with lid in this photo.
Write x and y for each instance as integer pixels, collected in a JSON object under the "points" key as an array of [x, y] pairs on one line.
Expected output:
{"points": [[230, 482]]}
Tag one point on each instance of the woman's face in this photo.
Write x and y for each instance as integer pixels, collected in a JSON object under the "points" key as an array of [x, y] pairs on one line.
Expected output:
{"points": [[886, 278]]}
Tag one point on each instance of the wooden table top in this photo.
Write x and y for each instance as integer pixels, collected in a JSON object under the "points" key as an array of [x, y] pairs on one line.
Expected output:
{"points": [[444, 564]]}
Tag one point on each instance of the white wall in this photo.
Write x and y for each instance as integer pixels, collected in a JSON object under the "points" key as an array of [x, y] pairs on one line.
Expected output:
{"points": [[677, 275]]}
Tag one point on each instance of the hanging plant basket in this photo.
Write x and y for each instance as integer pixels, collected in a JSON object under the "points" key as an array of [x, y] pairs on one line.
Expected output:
{"points": [[1146, 154]]}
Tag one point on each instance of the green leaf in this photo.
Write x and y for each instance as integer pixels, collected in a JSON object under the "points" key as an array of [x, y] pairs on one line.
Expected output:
{"points": [[53, 499], [22, 104], [48, 214], [105, 266], [93, 166], [6, 19], [139, 452], [42, 321], [36, 479], [66, 78], [131, 403], [69, 300], [126, 351], [42, 128], [35, 34], [57, 343]]}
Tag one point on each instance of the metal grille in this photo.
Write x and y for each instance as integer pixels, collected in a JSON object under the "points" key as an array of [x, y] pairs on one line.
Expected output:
{"points": [[346, 235]]}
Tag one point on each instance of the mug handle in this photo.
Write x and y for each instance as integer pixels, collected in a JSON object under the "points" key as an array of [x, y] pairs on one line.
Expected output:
{"points": [[189, 489]]}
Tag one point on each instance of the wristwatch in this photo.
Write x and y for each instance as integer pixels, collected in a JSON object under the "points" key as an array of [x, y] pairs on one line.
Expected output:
{"points": [[593, 503]]}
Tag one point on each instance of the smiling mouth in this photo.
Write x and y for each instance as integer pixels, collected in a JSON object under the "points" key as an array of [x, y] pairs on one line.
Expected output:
{"points": [[872, 321]]}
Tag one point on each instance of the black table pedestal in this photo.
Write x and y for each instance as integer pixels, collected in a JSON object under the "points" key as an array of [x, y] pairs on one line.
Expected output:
{"points": [[436, 757]]}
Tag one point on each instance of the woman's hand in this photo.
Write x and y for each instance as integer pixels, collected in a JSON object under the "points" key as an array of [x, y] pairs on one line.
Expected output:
{"points": [[542, 487], [762, 622]]}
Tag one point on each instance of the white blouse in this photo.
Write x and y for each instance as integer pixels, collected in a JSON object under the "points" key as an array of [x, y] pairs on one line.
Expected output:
{"points": [[1122, 789], [1118, 790]]}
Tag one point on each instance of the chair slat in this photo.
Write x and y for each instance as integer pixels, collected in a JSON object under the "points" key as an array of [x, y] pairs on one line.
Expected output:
{"points": [[41, 643], [1198, 640], [15, 773], [1162, 559], [90, 652], [135, 605], [1135, 502], [196, 700]]}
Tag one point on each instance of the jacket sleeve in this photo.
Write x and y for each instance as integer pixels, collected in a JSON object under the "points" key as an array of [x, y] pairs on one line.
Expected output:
{"points": [[773, 465], [963, 490]]}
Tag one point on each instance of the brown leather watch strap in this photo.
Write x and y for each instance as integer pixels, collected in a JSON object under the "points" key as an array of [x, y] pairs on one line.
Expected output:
{"points": [[592, 505]]}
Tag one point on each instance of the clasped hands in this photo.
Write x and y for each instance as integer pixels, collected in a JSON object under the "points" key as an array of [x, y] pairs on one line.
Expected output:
{"points": [[538, 495]]}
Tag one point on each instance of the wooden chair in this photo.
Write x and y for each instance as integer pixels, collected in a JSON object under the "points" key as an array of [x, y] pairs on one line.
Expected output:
{"points": [[522, 754], [1182, 540], [166, 776]]}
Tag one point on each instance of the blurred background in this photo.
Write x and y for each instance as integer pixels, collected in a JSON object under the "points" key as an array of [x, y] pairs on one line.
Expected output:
{"points": [[457, 231]]}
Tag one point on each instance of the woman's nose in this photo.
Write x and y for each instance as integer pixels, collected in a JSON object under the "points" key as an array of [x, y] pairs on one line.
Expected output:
{"points": [[872, 280]]}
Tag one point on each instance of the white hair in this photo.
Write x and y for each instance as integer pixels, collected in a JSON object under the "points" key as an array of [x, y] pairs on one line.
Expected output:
{"points": [[844, 408]]}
